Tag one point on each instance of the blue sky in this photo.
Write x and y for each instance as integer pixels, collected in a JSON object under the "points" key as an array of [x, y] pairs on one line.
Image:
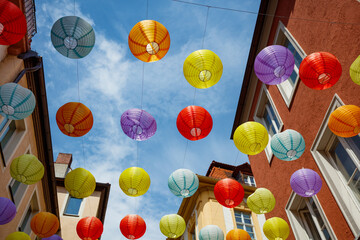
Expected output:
{"points": [[110, 83]]}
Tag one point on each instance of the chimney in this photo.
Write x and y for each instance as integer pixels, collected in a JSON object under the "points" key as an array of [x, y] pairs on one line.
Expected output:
{"points": [[62, 164]]}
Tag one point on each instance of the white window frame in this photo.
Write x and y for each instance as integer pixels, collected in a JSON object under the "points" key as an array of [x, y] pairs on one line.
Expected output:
{"points": [[81, 210], [285, 88], [247, 180], [245, 224], [23, 187], [344, 197], [33, 213], [297, 220], [66, 205], [263, 99]]}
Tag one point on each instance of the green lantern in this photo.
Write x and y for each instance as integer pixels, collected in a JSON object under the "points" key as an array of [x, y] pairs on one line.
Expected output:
{"points": [[261, 201], [27, 169], [172, 225]]}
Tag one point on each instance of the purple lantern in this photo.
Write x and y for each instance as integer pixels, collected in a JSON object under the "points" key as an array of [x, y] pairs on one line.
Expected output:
{"points": [[7, 210], [305, 182], [53, 237], [138, 124], [274, 64]]}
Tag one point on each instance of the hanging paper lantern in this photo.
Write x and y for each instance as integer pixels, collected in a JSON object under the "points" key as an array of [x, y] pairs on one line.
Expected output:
{"points": [[288, 145], [27, 169], [74, 119], [138, 124], [274, 64], [320, 70], [18, 236], [305, 182], [238, 234], [73, 37], [44, 224], [251, 138], [149, 41], [202, 68], [211, 232], [276, 229], [16, 102], [229, 192], [355, 71], [345, 121], [7, 210], [172, 225], [183, 183], [80, 183], [194, 122], [261, 201], [134, 181], [53, 237], [89, 228], [13, 26], [132, 226]]}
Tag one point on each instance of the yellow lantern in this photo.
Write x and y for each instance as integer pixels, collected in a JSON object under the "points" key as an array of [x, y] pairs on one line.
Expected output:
{"points": [[261, 201], [251, 138], [80, 183], [18, 236], [134, 181], [355, 71], [276, 229], [27, 169], [203, 68], [172, 225], [149, 41]]}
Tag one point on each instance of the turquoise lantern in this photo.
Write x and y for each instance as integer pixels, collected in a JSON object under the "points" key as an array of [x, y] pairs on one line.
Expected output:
{"points": [[211, 232], [288, 145], [183, 183], [16, 102]]}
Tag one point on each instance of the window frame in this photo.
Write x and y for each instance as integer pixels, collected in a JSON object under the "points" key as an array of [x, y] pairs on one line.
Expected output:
{"points": [[21, 186], [279, 40], [34, 205], [243, 223], [349, 206], [263, 99], [66, 205]]}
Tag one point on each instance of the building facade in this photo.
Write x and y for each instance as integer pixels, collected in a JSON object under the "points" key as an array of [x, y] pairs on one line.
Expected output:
{"points": [[202, 209], [304, 27]]}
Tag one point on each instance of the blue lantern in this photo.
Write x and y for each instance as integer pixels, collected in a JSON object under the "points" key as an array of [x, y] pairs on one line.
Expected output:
{"points": [[183, 183], [211, 232], [288, 145], [16, 102]]}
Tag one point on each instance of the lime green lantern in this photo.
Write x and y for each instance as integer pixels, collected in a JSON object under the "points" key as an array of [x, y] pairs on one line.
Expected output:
{"points": [[172, 225], [27, 169], [355, 71], [18, 236], [80, 183], [134, 181], [276, 229], [261, 201]]}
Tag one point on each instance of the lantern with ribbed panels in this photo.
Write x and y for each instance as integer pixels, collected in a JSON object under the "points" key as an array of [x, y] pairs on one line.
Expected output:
{"points": [[149, 41], [261, 201], [276, 229], [132, 226], [288, 145], [27, 169], [89, 228], [134, 181], [172, 225], [251, 138], [18, 236], [345, 121], [355, 71], [305, 182], [183, 183], [202, 68], [44, 224], [211, 232], [237, 234], [7, 210], [229, 192], [80, 183]]}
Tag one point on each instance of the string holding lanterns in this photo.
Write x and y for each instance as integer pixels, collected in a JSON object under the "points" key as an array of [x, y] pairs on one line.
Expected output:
{"points": [[134, 181], [27, 169], [7, 210], [80, 183], [202, 68], [149, 41], [274, 64], [211, 232], [345, 121], [72, 37], [89, 228], [288, 145], [305, 182], [229, 192], [320, 70], [172, 225], [138, 124], [355, 71], [44, 224], [194, 122], [276, 228], [183, 183], [132, 226], [261, 201]]}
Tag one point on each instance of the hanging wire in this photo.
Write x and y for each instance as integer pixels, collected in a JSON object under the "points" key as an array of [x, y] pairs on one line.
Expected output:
{"points": [[265, 14], [206, 22]]}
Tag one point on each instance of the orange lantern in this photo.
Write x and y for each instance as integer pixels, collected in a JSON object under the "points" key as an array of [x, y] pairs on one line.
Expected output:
{"points": [[149, 41], [238, 234], [345, 121], [74, 119], [44, 224]]}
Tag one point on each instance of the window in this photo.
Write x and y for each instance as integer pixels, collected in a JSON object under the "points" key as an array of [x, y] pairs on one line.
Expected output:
{"points": [[17, 190], [267, 115], [249, 180], [244, 221], [307, 219], [7, 130], [73, 206], [31, 211], [338, 160], [283, 37]]}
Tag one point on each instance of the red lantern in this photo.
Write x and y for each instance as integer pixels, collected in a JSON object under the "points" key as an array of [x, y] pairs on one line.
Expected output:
{"points": [[132, 226], [320, 70], [229, 192], [89, 228], [12, 23], [194, 122]]}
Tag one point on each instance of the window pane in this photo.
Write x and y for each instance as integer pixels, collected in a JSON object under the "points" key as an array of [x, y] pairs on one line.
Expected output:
{"points": [[343, 161], [355, 185], [251, 235], [268, 123], [247, 221], [274, 116], [5, 137], [311, 225], [249, 229], [292, 78], [25, 225], [240, 226], [73, 206], [298, 59]]}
